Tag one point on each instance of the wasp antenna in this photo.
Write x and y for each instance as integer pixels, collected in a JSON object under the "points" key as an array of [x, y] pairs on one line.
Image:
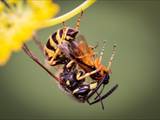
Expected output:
{"points": [[78, 21], [64, 33], [112, 56], [100, 100], [105, 95], [100, 91], [102, 51], [64, 24]]}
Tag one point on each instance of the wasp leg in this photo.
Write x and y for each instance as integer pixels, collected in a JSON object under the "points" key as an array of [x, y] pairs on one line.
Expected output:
{"points": [[100, 92], [95, 90], [106, 95], [78, 21], [88, 74], [100, 100], [102, 51], [90, 103], [93, 85], [70, 63], [52, 61], [64, 33], [35, 59], [112, 57], [82, 56], [95, 46], [82, 91], [64, 25], [38, 43]]}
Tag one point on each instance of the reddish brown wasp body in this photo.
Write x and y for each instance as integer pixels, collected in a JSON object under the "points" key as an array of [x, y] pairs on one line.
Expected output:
{"points": [[79, 52]]}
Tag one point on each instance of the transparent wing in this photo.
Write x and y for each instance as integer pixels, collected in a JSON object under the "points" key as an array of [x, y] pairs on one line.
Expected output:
{"points": [[81, 38], [78, 49], [82, 45]]}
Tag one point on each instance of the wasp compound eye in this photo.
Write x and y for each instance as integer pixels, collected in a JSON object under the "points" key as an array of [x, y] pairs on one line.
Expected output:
{"points": [[72, 32]]}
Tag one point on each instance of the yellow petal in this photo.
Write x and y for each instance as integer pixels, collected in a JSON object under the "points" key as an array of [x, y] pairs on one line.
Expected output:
{"points": [[4, 52], [18, 23]]}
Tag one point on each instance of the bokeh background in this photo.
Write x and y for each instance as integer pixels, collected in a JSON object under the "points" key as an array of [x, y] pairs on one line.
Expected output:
{"points": [[28, 92]]}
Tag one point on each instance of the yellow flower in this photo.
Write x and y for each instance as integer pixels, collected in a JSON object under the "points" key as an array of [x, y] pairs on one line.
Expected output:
{"points": [[19, 20]]}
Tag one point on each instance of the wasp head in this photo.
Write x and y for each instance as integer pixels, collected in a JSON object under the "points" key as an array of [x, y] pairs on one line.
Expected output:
{"points": [[71, 34]]}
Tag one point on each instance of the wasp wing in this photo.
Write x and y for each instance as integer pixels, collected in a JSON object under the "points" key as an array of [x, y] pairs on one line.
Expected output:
{"points": [[81, 51], [78, 50]]}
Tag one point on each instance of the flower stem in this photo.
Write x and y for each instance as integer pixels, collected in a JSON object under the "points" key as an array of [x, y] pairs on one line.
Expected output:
{"points": [[68, 15]]}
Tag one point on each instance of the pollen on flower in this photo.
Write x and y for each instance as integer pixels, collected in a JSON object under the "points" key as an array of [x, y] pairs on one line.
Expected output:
{"points": [[19, 20]]}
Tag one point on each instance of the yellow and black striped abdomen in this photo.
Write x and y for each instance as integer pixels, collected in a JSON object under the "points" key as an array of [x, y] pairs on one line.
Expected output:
{"points": [[51, 49]]}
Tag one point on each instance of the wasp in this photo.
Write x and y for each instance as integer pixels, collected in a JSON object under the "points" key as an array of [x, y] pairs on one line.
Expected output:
{"points": [[81, 54], [52, 52], [67, 47], [79, 51], [81, 90], [67, 79]]}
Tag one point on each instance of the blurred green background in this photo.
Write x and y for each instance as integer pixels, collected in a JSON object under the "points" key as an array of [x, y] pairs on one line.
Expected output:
{"points": [[28, 92]]}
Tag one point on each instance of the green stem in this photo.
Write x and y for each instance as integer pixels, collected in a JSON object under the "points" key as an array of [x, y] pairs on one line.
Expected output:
{"points": [[69, 15]]}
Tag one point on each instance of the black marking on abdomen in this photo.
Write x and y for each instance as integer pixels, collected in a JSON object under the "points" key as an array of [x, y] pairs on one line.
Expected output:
{"points": [[54, 38], [48, 45], [60, 33]]}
